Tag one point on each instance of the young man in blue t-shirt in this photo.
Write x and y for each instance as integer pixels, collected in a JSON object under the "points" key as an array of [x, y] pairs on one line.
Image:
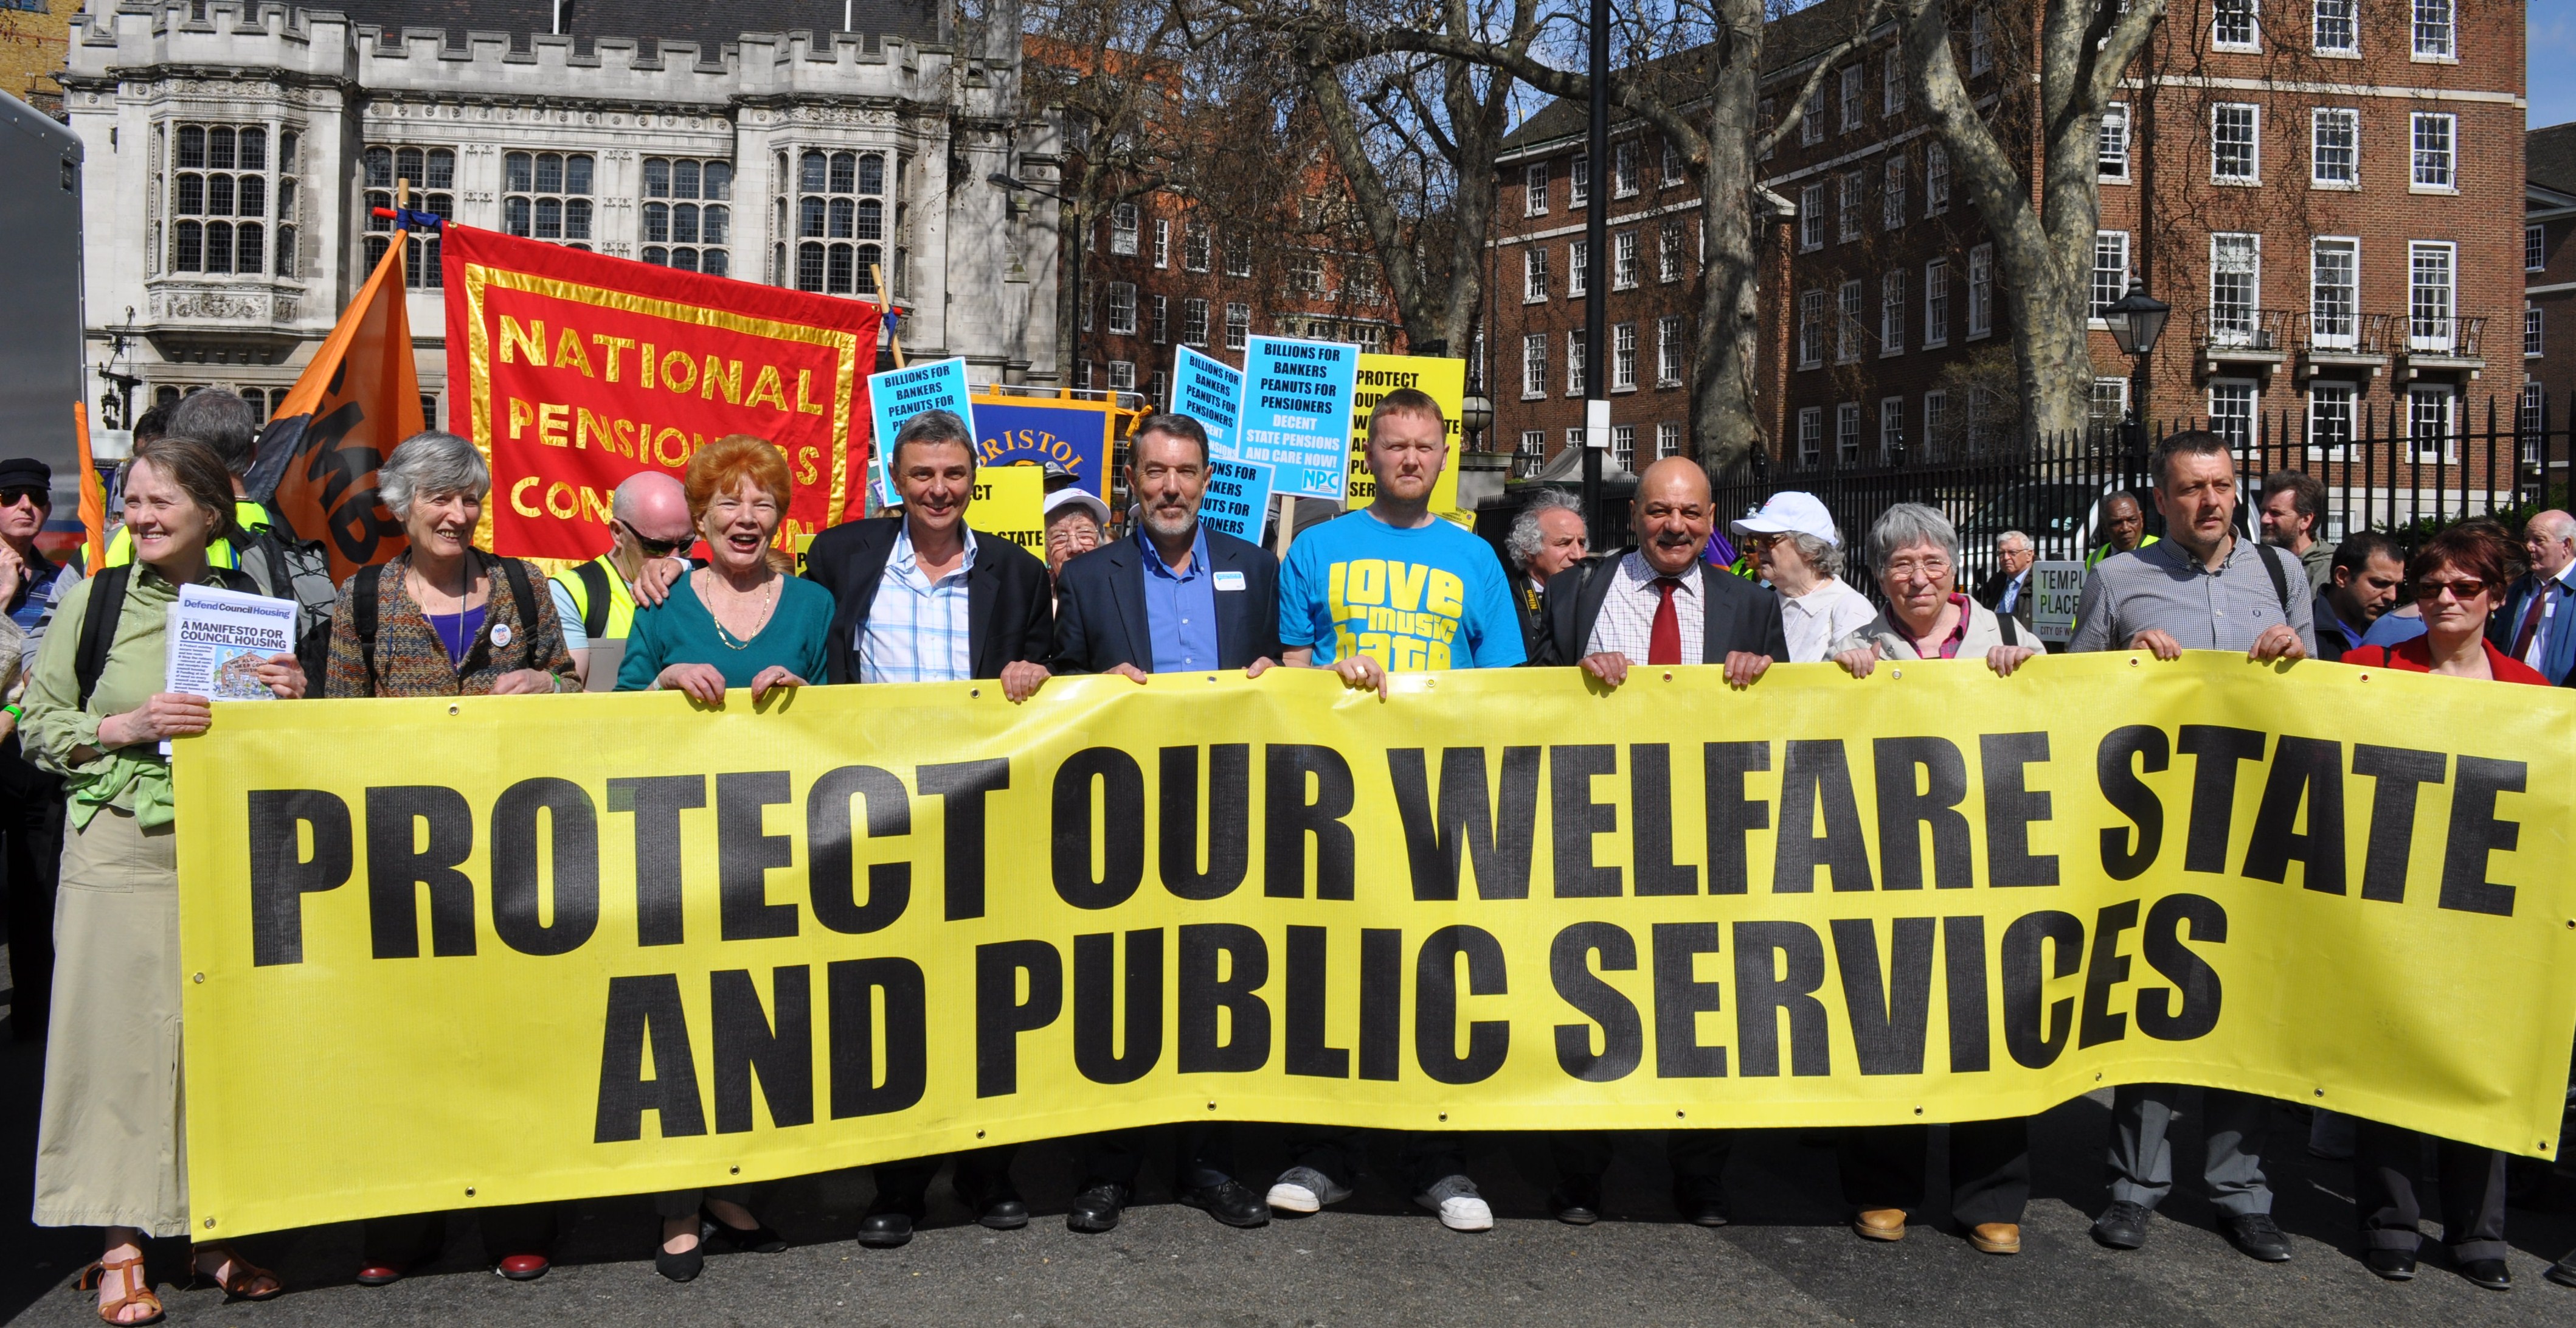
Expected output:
{"points": [[1392, 588]]}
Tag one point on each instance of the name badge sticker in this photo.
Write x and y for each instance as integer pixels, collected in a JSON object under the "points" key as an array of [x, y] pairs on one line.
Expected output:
{"points": [[1229, 580], [500, 634]]}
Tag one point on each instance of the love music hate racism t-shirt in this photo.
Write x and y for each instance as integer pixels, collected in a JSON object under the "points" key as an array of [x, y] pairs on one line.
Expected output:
{"points": [[1431, 597]]}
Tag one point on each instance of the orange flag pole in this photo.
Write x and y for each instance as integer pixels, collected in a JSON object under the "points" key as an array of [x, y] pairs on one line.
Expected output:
{"points": [[93, 497]]}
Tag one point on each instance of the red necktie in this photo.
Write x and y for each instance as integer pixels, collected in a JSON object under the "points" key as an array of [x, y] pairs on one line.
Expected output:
{"points": [[1664, 641], [2530, 623]]}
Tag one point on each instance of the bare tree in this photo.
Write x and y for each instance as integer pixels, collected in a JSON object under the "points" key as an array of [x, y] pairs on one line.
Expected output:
{"points": [[1692, 71], [2043, 236]]}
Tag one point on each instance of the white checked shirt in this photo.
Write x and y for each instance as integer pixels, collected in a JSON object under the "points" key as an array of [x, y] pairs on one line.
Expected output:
{"points": [[1627, 621], [916, 628]]}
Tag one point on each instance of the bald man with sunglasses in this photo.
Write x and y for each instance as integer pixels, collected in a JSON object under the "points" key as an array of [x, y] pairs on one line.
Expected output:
{"points": [[649, 527]]}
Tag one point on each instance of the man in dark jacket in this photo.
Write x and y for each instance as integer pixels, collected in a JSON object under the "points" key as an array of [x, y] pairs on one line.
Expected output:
{"points": [[1176, 597], [2008, 590], [923, 598], [1652, 606]]}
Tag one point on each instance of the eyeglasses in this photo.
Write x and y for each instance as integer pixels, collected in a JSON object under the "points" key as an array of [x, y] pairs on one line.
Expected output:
{"points": [[654, 548], [1935, 570], [2462, 589], [13, 497]]}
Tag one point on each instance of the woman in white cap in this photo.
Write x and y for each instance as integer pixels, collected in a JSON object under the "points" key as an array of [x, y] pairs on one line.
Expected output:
{"points": [[1074, 521], [1801, 553]]}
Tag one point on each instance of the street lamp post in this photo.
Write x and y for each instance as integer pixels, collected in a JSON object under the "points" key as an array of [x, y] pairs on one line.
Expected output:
{"points": [[2136, 320]]}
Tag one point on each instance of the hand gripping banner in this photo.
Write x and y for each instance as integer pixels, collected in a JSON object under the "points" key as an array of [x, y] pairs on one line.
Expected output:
{"points": [[579, 370], [614, 944]]}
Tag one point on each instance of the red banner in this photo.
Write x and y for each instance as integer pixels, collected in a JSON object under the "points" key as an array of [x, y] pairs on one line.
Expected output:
{"points": [[578, 370], [355, 401]]}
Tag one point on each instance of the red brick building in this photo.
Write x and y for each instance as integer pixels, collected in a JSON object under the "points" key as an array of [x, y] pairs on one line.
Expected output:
{"points": [[2549, 276], [2317, 188]]}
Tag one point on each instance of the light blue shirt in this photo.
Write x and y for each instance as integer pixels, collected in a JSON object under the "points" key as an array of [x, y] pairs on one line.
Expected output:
{"points": [[917, 628], [1180, 607]]}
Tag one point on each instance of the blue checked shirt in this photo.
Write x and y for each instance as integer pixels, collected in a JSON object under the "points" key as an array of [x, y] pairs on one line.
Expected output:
{"points": [[916, 629]]}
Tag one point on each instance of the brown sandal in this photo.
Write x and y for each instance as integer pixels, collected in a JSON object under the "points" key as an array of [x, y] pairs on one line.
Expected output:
{"points": [[245, 1274], [92, 1276]]}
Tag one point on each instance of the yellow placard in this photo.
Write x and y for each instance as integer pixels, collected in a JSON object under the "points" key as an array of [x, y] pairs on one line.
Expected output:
{"points": [[1010, 501], [1446, 381], [617, 943]]}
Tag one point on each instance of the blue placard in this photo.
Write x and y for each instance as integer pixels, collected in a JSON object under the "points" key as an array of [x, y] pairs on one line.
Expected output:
{"points": [[1075, 436], [1297, 413], [897, 395], [1237, 500], [1211, 392]]}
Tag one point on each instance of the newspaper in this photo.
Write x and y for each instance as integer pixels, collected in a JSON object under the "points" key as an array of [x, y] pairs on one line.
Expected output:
{"points": [[218, 640]]}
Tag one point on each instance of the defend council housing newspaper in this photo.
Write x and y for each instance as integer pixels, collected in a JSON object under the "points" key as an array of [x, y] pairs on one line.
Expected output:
{"points": [[218, 640]]}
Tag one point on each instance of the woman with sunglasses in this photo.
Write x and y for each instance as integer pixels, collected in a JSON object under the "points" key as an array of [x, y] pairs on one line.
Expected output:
{"points": [[739, 621], [2459, 579]]}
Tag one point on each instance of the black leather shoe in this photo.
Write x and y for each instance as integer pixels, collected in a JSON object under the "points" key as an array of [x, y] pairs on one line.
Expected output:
{"points": [[1577, 1201], [2258, 1237], [2123, 1225], [1231, 1202], [1096, 1209], [2563, 1272], [2395, 1265], [2488, 1273], [886, 1228], [1701, 1205], [1000, 1208]]}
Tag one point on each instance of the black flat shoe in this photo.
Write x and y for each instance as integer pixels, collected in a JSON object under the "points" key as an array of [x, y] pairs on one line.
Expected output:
{"points": [[2256, 1236], [2122, 1226], [2395, 1265], [1577, 1201], [2488, 1273], [2563, 1272], [684, 1266], [758, 1239], [885, 1230], [1001, 1209], [1096, 1209], [1231, 1202]]}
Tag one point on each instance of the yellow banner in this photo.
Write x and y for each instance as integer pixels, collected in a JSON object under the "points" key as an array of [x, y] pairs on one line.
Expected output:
{"points": [[1010, 501], [613, 944]]}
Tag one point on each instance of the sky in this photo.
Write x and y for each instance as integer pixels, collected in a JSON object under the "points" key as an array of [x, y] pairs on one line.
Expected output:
{"points": [[2550, 41]]}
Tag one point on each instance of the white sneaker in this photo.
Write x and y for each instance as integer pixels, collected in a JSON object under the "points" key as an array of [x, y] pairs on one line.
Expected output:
{"points": [[1466, 1212], [1305, 1190]]}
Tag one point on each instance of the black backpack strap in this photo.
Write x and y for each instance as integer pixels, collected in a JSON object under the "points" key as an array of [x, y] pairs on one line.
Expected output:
{"points": [[98, 630], [594, 598], [2280, 579], [362, 618], [525, 596]]}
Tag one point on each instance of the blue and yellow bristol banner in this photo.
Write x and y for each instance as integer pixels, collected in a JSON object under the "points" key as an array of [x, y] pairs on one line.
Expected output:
{"points": [[615, 944]]}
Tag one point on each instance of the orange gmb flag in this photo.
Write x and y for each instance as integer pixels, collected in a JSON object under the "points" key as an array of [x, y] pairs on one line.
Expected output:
{"points": [[93, 499], [355, 401], [578, 370]]}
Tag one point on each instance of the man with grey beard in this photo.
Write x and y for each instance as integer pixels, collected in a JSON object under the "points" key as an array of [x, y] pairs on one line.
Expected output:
{"points": [[1175, 598]]}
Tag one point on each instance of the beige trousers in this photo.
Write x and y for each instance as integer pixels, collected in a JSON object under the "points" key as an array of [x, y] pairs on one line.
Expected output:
{"points": [[111, 1139]]}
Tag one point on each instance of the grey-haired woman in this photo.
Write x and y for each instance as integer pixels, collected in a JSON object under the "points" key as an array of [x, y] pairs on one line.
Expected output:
{"points": [[1915, 551], [444, 618]]}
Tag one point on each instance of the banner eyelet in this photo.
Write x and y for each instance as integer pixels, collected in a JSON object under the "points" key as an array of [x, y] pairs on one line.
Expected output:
{"points": [[456, 710]]}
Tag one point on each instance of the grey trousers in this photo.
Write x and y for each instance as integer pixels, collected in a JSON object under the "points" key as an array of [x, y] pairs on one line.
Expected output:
{"points": [[2386, 1162], [2142, 1157]]}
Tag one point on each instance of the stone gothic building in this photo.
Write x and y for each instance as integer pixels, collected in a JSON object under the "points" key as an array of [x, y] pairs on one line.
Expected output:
{"points": [[234, 151]]}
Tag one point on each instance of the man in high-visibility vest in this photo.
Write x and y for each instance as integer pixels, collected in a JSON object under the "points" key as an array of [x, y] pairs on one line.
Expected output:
{"points": [[648, 522], [228, 424], [2124, 526]]}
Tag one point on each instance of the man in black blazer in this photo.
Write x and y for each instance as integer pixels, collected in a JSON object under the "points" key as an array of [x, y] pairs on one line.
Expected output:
{"points": [[1176, 597], [1115, 606], [932, 560], [2011, 579], [1739, 621], [925, 599], [1637, 608]]}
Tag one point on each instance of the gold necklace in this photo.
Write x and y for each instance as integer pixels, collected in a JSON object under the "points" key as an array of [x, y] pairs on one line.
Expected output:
{"points": [[730, 641]]}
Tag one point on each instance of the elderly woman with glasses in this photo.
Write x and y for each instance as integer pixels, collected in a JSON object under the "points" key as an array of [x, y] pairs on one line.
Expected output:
{"points": [[1916, 552], [2459, 578]]}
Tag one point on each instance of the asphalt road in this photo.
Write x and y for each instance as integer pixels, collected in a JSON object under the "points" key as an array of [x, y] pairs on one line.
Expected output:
{"points": [[1787, 1260]]}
